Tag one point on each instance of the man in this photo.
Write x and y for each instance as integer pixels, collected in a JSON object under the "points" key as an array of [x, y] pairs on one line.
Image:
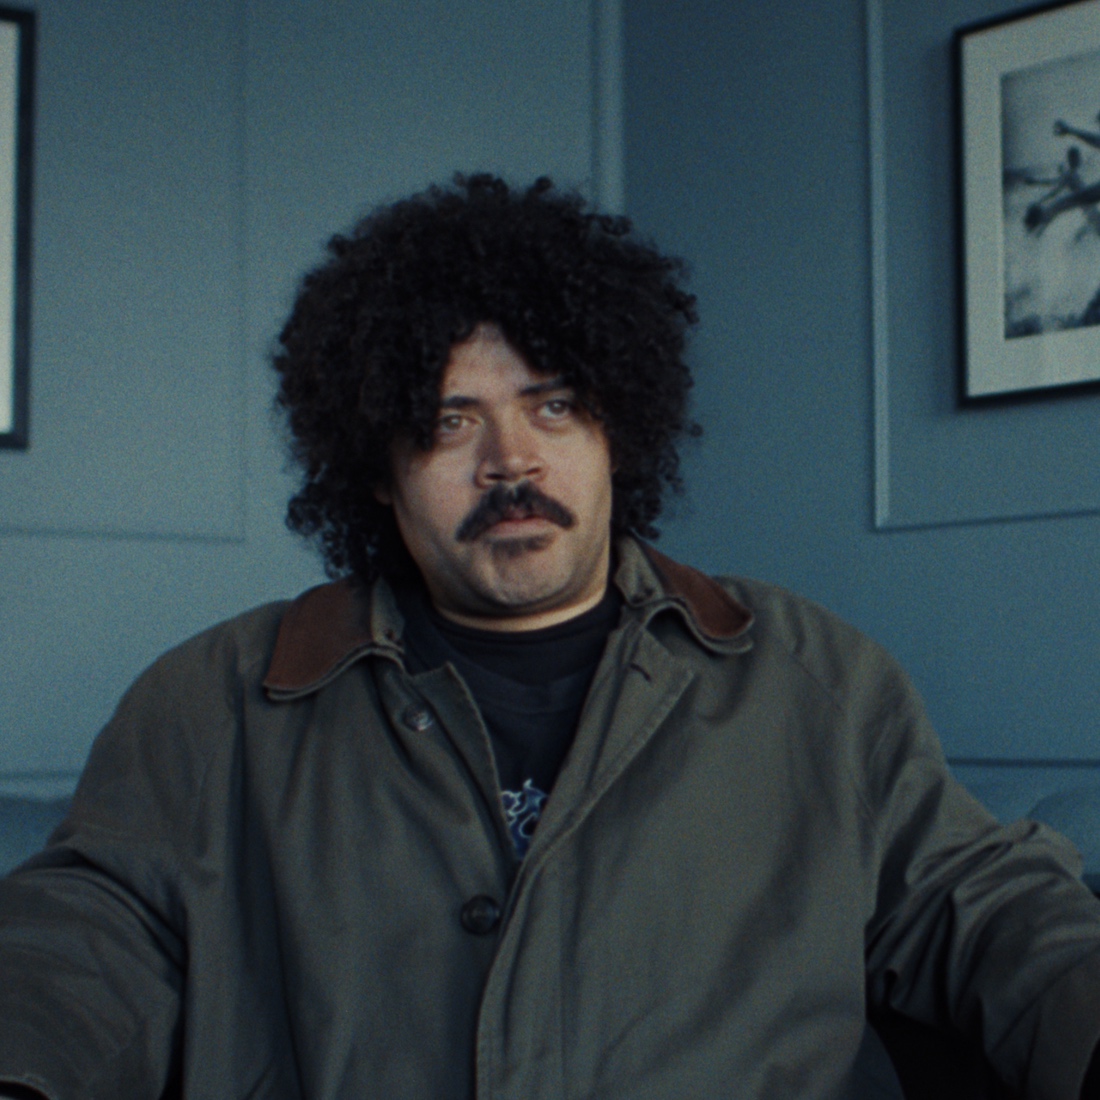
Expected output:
{"points": [[519, 807]]}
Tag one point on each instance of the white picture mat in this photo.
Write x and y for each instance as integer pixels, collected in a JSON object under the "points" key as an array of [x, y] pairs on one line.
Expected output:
{"points": [[9, 98], [994, 363]]}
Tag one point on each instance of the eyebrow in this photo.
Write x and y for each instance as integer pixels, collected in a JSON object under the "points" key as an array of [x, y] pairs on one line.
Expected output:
{"points": [[551, 385]]}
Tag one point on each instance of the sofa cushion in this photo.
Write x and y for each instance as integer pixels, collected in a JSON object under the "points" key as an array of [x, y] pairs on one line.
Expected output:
{"points": [[1075, 812], [25, 824]]}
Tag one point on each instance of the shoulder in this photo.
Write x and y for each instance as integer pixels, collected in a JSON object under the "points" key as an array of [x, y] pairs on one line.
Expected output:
{"points": [[841, 659], [229, 654], [148, 768], [812, 663], [186, 706], [794, 621]]}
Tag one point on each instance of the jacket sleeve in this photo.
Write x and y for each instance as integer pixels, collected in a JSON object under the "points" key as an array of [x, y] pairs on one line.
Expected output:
{"points": [[986, 929], [91, 979], [92, 930]]}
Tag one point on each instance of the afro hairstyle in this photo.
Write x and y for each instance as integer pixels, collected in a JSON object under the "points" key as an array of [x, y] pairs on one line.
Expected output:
{"points": [[363, 352]]}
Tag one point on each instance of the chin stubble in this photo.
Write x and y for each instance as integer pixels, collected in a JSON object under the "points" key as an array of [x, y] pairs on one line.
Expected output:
{"points": [[511, 549]]}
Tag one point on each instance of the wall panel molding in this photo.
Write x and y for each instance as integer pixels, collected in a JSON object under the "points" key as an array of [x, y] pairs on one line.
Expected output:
{"points": [[934, 463], [138, 342], [608, 167]]}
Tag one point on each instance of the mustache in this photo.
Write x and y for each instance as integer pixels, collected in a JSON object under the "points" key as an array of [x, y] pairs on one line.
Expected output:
{"points": [[518, 502]]}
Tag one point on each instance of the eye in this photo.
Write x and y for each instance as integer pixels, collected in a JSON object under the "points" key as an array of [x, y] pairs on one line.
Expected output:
{"points": [[558, 408], [448, 425]]}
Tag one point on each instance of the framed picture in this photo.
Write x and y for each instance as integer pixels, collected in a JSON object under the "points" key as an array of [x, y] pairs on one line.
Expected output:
{"points": [[16, 114], [1029, 158]]}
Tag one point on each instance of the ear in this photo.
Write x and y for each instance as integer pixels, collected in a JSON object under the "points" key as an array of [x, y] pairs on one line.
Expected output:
{"points": [[383, 495]]}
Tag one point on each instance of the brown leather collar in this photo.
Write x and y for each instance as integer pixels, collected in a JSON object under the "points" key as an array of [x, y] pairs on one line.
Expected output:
{"points": [[328, 627], [320, 630], [716, 612]]}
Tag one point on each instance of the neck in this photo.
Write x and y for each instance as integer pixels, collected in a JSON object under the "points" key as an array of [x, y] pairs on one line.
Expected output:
{"points": [[526, 620]]}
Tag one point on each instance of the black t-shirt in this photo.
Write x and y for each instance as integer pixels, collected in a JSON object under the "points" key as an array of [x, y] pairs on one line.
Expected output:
{"points": [[529, 685]]}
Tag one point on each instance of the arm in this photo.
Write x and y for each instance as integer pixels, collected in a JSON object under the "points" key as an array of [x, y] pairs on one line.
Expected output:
{"points": [[92, 978], [93, 930], [982, 929]]}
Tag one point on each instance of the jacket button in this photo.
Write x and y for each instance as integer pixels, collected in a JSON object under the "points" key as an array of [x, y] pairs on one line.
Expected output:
{"points": [[480, 915], [416, 718]]}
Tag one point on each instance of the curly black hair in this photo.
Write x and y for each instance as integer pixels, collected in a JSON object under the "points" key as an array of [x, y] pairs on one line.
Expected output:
{"points": [[363, 352]]}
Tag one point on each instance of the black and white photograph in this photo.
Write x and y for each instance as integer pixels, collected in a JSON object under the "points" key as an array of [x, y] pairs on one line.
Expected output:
{"points": [[1030, 158], [1051, 146], [16, 74]]}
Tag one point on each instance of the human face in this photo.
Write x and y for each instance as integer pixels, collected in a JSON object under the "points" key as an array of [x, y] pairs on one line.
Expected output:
{"points": [[508, 513]]}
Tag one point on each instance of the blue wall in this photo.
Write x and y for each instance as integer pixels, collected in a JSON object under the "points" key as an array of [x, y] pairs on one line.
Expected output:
{"points": [[748, 153], [189, 169], [191, 161]]}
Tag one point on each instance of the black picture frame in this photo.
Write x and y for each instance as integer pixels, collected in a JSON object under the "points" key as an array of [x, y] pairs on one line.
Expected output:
{"points": [[17, 65], [1028, 134]]}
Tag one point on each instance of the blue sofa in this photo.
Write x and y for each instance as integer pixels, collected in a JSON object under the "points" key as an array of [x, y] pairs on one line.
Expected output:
{"points": [[25, 823]]}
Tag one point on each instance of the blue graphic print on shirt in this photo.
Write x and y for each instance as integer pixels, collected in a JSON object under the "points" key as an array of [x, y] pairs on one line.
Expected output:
{"points": [[522, 810]]}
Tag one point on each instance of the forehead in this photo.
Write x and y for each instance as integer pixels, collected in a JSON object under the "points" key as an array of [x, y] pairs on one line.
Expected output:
{"points": [[486, 365]]}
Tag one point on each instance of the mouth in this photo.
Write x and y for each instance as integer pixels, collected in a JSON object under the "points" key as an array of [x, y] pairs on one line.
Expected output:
{"points": [[520, 514], [511, 525]]}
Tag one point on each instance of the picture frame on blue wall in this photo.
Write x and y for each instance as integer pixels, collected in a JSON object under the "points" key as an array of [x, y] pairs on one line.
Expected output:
{"points": [[1028, 128], [17, 47]]}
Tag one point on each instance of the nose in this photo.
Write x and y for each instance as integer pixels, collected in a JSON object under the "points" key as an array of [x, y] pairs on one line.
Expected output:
{"points": [[510, 453]]}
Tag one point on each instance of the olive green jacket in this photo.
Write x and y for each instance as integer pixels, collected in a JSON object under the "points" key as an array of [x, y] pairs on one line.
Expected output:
{"points": [[287, 874]]}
